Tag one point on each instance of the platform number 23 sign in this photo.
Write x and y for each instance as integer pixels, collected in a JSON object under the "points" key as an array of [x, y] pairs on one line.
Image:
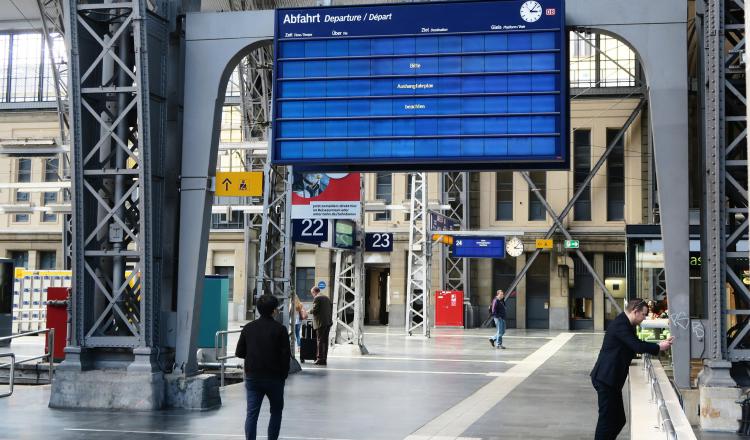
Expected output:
{"points": [[379, 242]]}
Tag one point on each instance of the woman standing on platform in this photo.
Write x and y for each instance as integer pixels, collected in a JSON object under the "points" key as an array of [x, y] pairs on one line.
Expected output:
{"points": [[301, 316]]}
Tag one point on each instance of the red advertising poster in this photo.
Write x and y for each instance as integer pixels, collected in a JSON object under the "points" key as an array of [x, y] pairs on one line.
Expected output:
{"points": [[326, 195]]}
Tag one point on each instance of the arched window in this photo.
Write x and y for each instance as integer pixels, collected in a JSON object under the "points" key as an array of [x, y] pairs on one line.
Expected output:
{"points": [[598, 60]]}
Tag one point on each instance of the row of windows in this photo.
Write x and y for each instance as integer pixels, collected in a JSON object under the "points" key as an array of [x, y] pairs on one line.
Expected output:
{"points": [[51, 170], [23, 175], [46, 260], [25, 70], [581, 169]]}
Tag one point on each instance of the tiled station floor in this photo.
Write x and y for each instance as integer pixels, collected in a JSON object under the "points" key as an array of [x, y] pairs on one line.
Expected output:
{"points": [[451, 386]]}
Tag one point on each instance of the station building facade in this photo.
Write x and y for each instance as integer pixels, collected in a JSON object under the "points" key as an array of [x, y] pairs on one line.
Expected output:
{"points": [[557, 292]]}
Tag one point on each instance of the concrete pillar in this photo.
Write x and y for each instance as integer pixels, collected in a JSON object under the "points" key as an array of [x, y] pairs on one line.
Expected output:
{"points": [[483, 285], [719, 410], [324, 271], [558, 297], [599, 294], [397, 309], [33, 260], [521, 294]]}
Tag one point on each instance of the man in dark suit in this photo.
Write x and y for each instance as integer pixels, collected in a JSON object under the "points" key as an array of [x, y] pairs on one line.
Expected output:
{"points": [[322, 311], [264, 344], [608, 376]]}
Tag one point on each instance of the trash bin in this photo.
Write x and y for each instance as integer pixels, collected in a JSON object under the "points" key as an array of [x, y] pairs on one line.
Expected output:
{"points": [[471, 316], [214, 314], [6, 298]]}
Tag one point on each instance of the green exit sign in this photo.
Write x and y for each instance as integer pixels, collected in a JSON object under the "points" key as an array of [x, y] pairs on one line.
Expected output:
{"points": [[572, 244]]}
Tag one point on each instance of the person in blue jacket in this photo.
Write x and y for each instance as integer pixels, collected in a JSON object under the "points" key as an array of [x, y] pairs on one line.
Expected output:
{"points": [[619, 347]]}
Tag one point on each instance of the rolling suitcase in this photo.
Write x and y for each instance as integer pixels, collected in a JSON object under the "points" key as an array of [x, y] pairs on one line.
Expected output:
{"points": [[308, 347]]}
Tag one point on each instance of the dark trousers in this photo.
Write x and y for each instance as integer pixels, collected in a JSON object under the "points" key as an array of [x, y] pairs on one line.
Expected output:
{"points": [[611, 411], [257, 388], [323, 333]]}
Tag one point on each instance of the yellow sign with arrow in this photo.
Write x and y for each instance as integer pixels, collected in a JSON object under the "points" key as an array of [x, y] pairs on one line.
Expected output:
{"points": [[242, 183]]}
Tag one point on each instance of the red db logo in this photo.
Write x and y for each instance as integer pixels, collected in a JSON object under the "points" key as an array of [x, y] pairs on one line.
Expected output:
{"points": [[550, 11]]}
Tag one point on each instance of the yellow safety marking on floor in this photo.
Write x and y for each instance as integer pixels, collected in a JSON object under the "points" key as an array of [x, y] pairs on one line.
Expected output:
{"points": [[453, 422]]}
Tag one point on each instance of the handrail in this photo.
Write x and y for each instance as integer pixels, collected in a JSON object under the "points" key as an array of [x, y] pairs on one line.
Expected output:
{"points": [[665, 422], [12, 373], [48, 354], [222, 334]]}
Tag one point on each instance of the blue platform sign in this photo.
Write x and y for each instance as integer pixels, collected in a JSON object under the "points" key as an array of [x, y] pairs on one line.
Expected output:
{"points": [[432, 86], [321, 285], [313, 230], [479, 247], [379, 242]]}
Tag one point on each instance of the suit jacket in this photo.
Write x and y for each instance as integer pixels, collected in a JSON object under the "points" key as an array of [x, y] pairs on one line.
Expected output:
{"points": [[264, 344], [322, 312], [618, 350]]}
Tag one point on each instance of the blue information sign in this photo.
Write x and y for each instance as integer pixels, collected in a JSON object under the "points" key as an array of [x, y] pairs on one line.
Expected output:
{"points": [[379, 242], [310, 230], [447, 85], [479, 247], [321, 285]]}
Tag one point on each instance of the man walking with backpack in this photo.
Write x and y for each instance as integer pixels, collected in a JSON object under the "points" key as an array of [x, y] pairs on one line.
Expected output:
{"points": [[497, 311]]}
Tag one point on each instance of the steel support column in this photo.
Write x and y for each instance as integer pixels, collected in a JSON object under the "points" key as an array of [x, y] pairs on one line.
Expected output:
{"points": [[725, 210], [455, 273], [115, 87], [274, 275], [419, 267]]}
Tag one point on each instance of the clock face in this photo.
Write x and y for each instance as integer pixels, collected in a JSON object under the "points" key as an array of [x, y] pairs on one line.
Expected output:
{"points": [[514, 247], [531, 11]]}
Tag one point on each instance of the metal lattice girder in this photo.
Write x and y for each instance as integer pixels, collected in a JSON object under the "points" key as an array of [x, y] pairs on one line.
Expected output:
{"points": [[275, 255], [255, 73], [725, 210], [115, 172], [346, 301], [558, 219], [418, 272], [456, 270], [560, 227]]}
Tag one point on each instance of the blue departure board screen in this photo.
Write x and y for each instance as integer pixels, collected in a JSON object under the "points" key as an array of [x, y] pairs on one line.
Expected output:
{"points": [[422, 86]]}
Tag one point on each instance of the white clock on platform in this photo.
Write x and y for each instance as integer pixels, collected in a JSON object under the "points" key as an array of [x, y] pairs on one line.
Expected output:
{"points": [[514, 246], [531, 11]]}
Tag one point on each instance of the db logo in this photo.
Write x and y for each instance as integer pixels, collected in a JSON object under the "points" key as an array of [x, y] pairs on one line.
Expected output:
{"points": [[550, 11]]}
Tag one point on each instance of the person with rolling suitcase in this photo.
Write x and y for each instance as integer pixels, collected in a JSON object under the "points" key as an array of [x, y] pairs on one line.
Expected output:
{"points": [[322, 312], [308, 344]]}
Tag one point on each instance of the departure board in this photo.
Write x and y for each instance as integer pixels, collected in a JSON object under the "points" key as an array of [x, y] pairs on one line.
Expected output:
{"points": [[422, 86]]}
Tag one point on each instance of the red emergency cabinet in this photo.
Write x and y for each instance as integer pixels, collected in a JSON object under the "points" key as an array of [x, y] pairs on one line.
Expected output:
{"points": [[449, 308], [57, 318]]}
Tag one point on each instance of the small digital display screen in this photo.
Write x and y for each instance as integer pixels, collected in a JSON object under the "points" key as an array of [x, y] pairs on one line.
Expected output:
{"points": [[344, 234]]}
